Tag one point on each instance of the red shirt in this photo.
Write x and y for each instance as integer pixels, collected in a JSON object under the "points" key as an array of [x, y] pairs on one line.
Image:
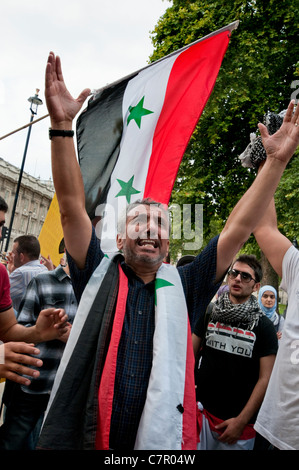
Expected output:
{"points": [[5, 299]]}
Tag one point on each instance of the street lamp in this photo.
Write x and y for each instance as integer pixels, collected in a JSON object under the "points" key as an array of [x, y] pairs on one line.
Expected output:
{"points": [[35, 101]]}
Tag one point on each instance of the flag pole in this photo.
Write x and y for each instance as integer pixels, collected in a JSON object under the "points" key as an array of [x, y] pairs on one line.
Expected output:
{"points": [[24, 127]]}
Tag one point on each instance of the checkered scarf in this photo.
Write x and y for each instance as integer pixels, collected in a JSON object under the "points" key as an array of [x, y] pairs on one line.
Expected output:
{"points": [[247, 314], [255, 153]]}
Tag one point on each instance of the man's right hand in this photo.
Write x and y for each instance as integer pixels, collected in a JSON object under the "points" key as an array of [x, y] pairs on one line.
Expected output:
{"points": [[61, 105], [14, 359]]}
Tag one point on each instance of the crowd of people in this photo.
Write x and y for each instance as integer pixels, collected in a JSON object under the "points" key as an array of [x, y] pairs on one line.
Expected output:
{"points": [[115, 367]]}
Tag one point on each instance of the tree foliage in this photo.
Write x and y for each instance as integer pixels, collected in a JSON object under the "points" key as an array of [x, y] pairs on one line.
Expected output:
{"points": [[256, 76]]}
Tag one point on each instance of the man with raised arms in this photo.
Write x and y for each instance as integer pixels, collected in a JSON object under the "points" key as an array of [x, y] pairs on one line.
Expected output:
{"points": [[127, 387]]}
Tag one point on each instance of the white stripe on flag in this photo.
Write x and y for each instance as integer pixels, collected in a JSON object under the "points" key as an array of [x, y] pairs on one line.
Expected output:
{"points": [[136, 143], [172, 94]]}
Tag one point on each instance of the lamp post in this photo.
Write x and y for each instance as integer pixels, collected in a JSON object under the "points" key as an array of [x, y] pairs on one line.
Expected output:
{"points": [[35, 101]]}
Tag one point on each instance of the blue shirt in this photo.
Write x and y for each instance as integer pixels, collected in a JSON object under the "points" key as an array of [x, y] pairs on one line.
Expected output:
{"points": [[135, 350], [20, 278]]}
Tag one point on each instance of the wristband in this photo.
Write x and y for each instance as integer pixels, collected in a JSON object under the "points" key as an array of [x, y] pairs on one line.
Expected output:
{"points": [[60, 133]]}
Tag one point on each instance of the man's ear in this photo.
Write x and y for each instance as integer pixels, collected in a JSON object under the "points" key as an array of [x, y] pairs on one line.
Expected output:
{"points": [[119, 241], [168, 243], [257, 287]]}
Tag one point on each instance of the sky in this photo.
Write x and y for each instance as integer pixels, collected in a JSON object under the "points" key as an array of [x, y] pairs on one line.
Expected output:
{"points": [[99, 42]]}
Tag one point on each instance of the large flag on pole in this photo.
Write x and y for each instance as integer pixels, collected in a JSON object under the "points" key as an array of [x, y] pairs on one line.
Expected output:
{"points": [[132, 136]]}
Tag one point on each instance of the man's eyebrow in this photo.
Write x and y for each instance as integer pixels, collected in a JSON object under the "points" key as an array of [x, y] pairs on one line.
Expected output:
{"points": [[134, 216]]}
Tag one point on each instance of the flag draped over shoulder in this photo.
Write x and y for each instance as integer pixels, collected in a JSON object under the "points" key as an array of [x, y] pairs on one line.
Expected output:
{"points": [[133, 134]]}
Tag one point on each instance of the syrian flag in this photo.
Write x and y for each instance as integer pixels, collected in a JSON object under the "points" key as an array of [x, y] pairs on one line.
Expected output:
{"points": [[133, 134]]}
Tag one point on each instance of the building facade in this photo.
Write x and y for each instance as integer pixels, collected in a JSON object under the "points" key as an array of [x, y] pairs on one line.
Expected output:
{"points": [[34, 200]]}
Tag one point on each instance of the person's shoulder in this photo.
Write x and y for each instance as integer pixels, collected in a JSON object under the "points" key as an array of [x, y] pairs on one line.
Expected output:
{"points": [[265, 321], [3, 270], [291, 255], [266, 325]]}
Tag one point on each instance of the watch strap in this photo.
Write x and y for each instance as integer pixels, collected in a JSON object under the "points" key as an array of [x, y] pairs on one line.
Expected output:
{"points": [[60, 133]]}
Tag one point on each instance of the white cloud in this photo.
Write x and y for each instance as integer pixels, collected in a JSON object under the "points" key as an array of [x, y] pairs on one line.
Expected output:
{"points": [[99, 41]]}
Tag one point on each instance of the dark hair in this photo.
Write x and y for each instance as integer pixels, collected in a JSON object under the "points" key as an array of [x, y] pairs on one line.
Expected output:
{"points": [[3, 205], [253, 262], [61, 247], [29, 245]]}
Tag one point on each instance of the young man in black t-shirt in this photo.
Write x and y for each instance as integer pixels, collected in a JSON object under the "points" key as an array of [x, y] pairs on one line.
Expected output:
{"points": [[237, 359]]}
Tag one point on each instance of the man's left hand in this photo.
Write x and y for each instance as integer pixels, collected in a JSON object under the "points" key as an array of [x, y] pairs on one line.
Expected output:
{"points": [[232, 430]]}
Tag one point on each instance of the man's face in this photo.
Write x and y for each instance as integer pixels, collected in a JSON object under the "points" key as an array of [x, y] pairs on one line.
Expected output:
{"points": [[17, 261], [146, 241], [239, 290], [2, 222]]}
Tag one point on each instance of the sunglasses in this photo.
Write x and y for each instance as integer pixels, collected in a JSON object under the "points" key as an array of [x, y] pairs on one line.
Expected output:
{"points": [[246, 277]]}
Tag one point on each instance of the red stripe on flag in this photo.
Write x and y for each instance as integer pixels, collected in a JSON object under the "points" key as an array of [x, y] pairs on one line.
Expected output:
{"points": [[190, 84], [106, 389], [189, 438]]}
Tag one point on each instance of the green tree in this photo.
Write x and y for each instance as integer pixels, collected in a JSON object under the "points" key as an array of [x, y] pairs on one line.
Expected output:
{"points": [[256, 76], [287, 201]]}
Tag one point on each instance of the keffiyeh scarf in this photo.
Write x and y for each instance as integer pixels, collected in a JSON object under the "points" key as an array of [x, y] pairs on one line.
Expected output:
{"points": [[247, 314], [255, 153]]}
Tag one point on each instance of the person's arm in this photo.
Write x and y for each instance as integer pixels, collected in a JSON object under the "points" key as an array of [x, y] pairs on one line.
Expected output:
{"points": [[196, 343], [279, 148], [67, 177], [234, 427], [273, 244], [51, 324]]}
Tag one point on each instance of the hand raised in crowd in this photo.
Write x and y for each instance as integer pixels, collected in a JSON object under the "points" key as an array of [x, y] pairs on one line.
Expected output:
{"points": [[282, 145], [14, 359], [61, 105], [10, 263], [48, 263]]}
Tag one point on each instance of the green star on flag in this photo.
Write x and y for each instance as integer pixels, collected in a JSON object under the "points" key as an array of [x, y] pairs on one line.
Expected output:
{"points": [[161, 283], [127, 189], [137, 112]]}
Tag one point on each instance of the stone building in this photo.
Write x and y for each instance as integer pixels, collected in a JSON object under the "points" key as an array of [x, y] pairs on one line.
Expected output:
{"points": [[34, 199]]}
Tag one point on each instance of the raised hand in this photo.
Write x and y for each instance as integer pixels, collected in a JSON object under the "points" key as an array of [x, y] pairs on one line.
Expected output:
{"points": [[61, 105], [282, 145]]}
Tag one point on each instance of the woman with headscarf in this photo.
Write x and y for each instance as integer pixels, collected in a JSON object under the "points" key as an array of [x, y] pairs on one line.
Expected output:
{"points": [[268, 303]]}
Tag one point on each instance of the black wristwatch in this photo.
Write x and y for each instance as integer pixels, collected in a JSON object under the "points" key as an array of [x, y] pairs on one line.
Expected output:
{"points": [[60, 133]]}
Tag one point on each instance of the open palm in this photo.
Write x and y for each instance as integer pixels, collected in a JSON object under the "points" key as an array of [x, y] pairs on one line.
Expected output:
{"points": [[284, 142], [61, 105]]}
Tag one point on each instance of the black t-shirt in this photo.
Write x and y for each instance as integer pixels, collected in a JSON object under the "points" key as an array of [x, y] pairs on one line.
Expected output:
{"points": [[229, 368]]}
